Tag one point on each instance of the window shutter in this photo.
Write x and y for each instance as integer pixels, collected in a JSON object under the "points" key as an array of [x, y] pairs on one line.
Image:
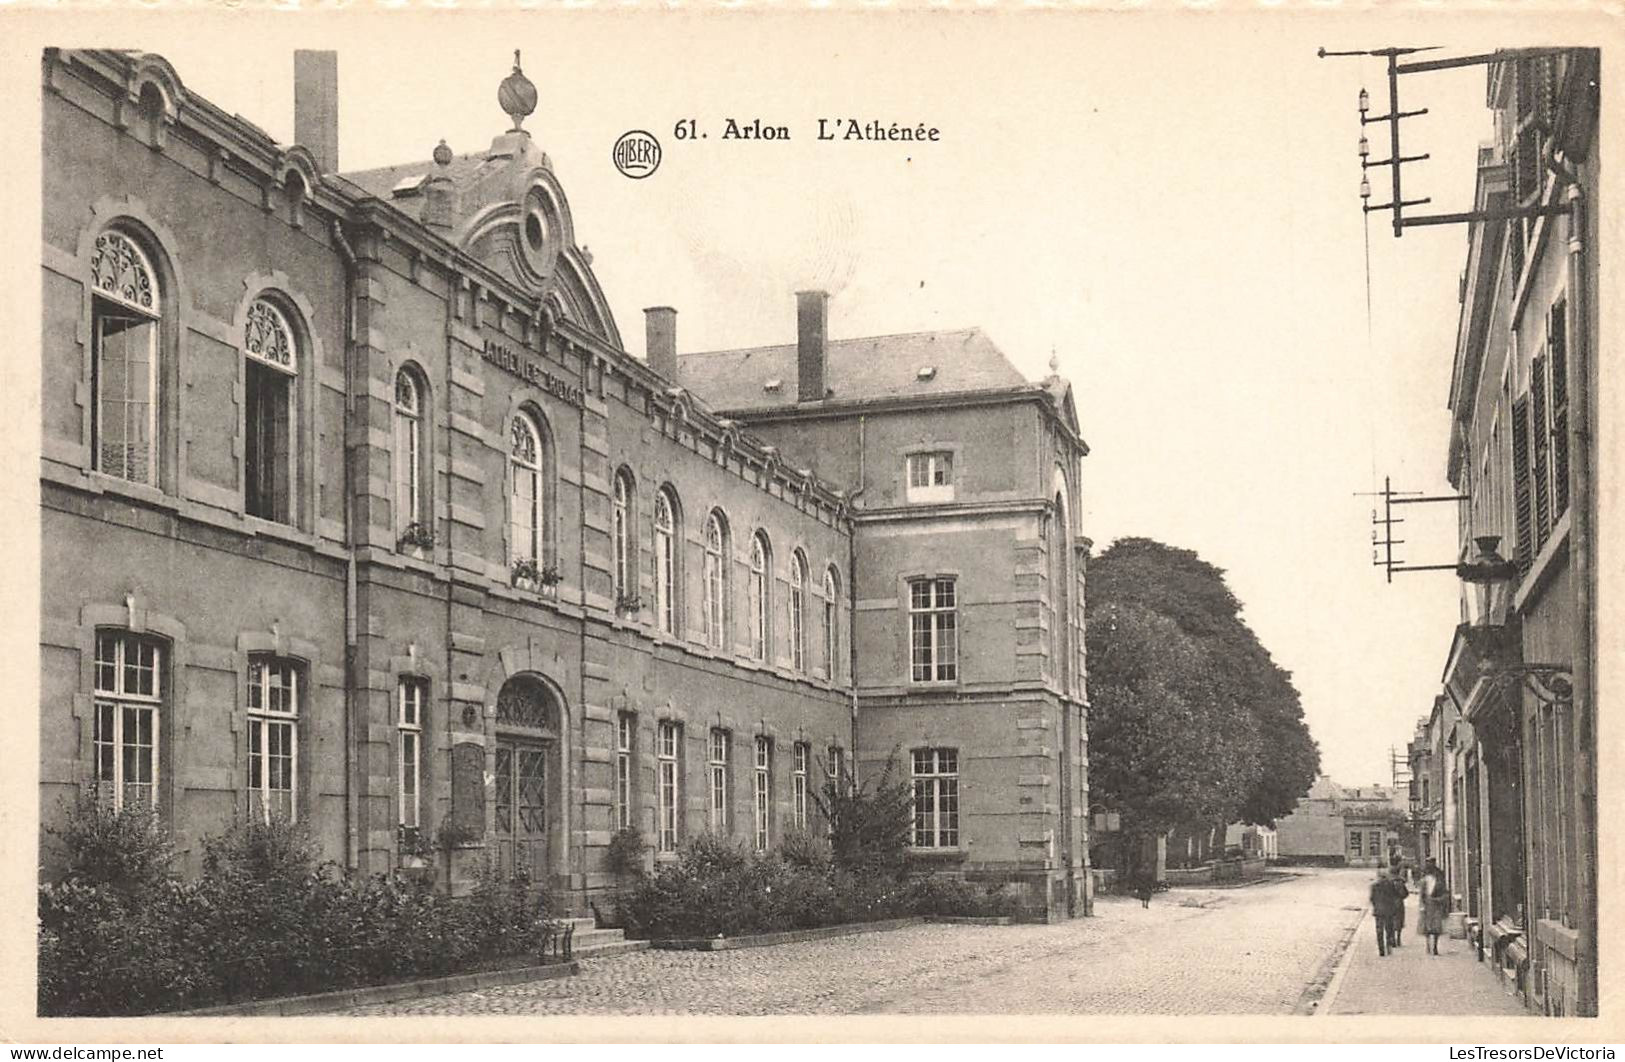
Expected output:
{"points": [[1540, 449], [1520, 482], [1558, 354]]}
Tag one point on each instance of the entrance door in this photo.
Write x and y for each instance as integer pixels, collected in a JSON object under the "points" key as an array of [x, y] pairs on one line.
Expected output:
{"points": [[521, 807]]}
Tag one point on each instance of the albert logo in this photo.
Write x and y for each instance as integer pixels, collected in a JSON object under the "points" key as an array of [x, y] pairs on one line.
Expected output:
{"points": [[636, 154]]}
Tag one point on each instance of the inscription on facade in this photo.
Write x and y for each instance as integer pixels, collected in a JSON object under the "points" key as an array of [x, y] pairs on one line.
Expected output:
{"points": [[531, 371]]}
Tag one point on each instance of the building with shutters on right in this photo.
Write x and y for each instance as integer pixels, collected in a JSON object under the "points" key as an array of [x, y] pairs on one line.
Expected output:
{"points": [[1521, 665]]}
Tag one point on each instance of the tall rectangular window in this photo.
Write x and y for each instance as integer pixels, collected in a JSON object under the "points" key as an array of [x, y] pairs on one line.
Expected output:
{"points": [[933, 630], [267, 434], [931, 476], [268, 412], [1356, 841], [625, 728], [129, 697], [763, 790], [717, 769], [936, 798], [273, 738], [800, 753], [668, 782], [411, 696], [1557, 362]]}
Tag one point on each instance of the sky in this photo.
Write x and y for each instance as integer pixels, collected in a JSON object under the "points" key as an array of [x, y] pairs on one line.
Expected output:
{"points": [[1166, 203]]}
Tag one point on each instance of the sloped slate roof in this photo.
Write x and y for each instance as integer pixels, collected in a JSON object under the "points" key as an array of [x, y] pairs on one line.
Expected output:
{"points": [[868, 368], [381, 182]]}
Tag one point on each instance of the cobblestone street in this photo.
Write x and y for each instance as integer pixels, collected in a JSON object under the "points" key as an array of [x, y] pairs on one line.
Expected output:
{"points": [[1255, 950]]}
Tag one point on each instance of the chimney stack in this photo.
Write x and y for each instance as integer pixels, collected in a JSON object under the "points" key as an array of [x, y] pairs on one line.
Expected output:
{"points": [[660, 341], [316, 105], [812, 328]]}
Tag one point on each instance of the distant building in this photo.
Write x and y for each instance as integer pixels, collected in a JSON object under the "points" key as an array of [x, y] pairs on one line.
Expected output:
{"points": [[1340, 825], [1261, 842]]}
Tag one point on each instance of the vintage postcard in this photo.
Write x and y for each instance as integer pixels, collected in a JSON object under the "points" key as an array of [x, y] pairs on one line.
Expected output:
{"points": [[586, 523]]}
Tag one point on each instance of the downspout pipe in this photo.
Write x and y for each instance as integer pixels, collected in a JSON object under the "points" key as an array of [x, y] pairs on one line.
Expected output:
{"points": [[352, 845], [852, 600], [1581, 557]]}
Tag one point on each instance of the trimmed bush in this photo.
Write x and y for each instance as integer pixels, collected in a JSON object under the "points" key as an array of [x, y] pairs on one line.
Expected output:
{"points": [[120, 934], [717, 889]]}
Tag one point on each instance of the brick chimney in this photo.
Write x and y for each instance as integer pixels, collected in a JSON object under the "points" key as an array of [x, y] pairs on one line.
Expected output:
{"points": [[660, 341], [812, 354], [316, 105]]}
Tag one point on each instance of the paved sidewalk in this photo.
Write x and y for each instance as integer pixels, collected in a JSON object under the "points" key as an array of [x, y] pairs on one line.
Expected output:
{"points": [[1410, 981]]}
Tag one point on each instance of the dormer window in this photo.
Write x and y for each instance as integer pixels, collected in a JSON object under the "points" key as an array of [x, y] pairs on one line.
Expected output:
{"points": [[931, 476], [409, 186]]}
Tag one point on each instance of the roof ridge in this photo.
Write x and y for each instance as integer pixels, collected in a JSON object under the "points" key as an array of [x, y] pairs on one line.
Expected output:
{"points": [[832, 342]]}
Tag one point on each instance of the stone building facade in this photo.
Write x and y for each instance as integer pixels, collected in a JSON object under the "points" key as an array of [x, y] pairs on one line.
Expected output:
{"points": [[1520, 667], [394, 537], [967, 578]]}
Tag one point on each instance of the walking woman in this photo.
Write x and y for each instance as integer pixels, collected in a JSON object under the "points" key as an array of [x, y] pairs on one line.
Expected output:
{"points": [[1434, 897]]}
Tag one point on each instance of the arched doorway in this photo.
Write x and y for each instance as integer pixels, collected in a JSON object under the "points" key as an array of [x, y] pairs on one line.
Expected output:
{"points": [[527, 776]]}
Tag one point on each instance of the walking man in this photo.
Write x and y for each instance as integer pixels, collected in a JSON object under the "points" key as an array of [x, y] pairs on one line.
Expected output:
{"points": [[1384, 902], [1396, 882]]}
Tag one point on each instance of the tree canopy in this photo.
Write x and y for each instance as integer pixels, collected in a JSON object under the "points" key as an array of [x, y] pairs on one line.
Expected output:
{"points": [[1191, 721]]}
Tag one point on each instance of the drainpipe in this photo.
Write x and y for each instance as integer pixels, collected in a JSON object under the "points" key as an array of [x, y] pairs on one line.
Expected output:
{"points": [[352, 846], [852, 601], [1581, 395]]}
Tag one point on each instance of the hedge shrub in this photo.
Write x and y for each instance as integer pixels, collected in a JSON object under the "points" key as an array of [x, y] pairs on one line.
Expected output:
{"points": [[716, 889], [122, 934]]}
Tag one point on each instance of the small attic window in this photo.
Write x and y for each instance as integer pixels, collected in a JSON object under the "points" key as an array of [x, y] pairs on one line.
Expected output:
{"points": [[926, 372], [773, 386], [408, 186]]}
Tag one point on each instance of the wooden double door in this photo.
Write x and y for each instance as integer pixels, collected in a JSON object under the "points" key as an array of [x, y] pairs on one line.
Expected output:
{"points": [[525, 772]]}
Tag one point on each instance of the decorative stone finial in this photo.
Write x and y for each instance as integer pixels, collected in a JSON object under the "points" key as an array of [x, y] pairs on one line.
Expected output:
{"points": [[442, 154], [517, 95], [1054, 361]]}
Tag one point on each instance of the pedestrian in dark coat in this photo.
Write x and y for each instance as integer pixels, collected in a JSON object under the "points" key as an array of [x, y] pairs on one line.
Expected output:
{"points": [[1384, 902], [1397, 882], [1143, 889]]}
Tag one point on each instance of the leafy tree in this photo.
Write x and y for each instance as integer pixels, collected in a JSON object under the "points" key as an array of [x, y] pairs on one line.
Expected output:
{"points": [[869, 824], [1192, 722]]}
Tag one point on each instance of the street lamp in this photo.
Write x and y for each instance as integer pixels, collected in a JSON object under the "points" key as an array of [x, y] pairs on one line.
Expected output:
{"points": [[1490, 574]]}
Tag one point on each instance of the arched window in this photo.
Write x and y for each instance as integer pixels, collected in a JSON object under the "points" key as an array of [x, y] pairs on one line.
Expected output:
{"points": [[125, 306], [832, 628], [665, 549], [714, 578], [626, 547], [760, 565], [271, 363], [411, 501], [526, 504], [798, 611]]}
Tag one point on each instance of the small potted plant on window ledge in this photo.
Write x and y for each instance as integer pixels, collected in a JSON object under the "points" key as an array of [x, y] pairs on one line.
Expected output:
{"points": [[628, 604], [526, 574], [417, 539]]}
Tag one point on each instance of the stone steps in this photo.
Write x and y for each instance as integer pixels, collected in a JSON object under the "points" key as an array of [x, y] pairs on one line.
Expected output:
{"points": [[591, 942]]}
